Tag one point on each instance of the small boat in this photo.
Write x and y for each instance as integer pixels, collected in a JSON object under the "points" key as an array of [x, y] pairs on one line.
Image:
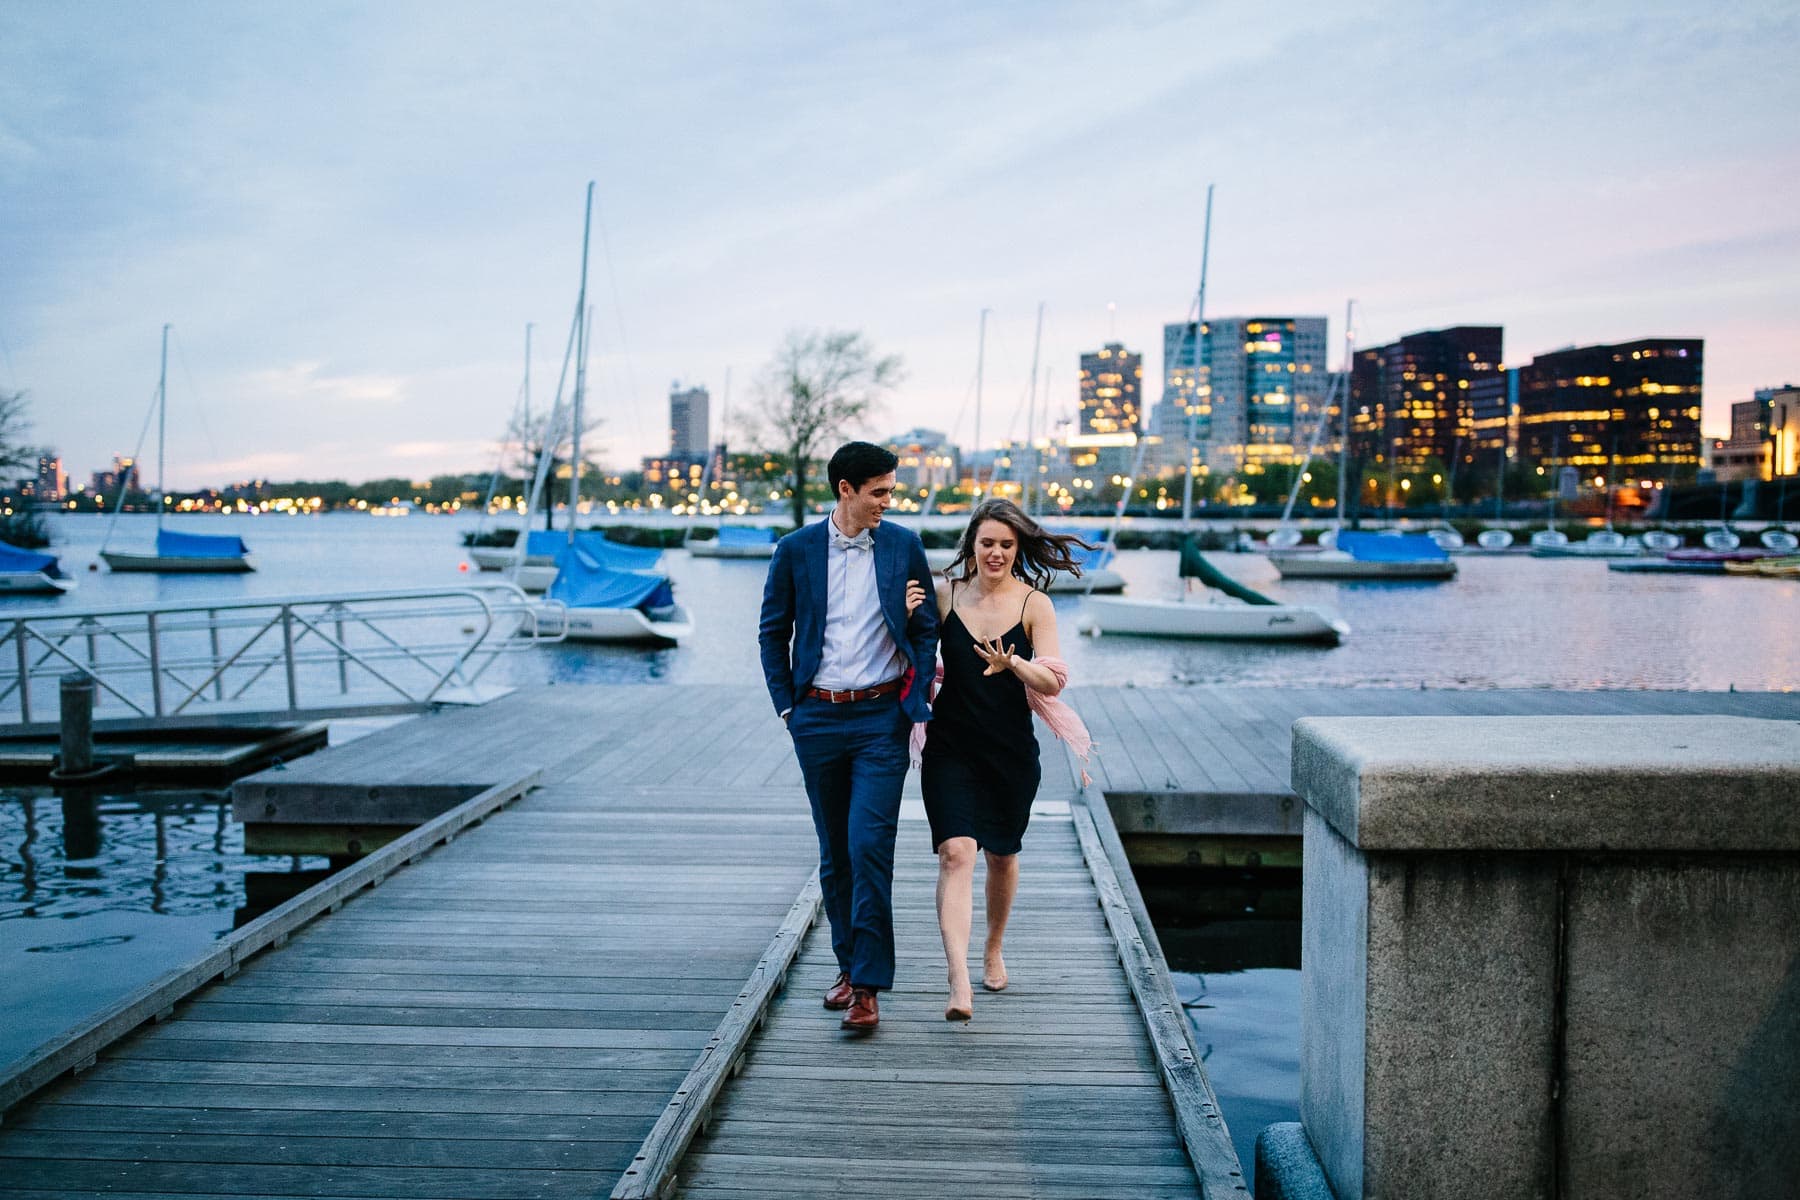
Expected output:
{"points": [[737, 541], [186, 553], [1548, 539], [492, 558], [1721, 539], [1494, 540], [175, 553], [1661, 541], [1668, 566], [1446, 537], [1355, 555], [1230, 611], [1779, 540], [1602, 543], [1771, 566], [28, 571]]}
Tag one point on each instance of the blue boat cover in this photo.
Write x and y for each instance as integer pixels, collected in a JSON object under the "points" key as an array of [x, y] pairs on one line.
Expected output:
{"points": [[170, 544], [1097, 559], [550, 543], [583, 581], [739, 535], [1380, 547], [14, 561]]}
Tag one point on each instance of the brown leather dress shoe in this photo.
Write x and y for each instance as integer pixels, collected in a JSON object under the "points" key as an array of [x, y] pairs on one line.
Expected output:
{"points": [[837, 997], [864, 1014]]}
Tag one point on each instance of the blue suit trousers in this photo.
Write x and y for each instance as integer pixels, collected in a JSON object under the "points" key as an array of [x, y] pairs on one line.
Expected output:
{"points": [[854, 759]]}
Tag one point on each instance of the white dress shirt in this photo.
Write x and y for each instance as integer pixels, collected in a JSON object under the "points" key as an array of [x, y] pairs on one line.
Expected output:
{"points": [[858, 652]]}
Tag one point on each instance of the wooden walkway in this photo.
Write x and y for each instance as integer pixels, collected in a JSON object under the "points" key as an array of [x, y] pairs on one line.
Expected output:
{"points": [[1052, 1090], [1223, 742], [506, 1017]]}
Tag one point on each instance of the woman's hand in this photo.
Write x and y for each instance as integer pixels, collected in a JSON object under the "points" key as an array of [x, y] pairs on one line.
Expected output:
{"points": [[997, 657], [915, 596]]}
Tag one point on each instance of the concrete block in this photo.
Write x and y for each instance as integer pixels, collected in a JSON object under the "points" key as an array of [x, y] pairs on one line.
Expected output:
{"points": [[1286, 1168], [1682, 1051], [1334, 938], [1699, 783]]}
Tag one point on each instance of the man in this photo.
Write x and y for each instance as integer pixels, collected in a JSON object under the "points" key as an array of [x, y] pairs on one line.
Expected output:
{"points": [[848, 649]]}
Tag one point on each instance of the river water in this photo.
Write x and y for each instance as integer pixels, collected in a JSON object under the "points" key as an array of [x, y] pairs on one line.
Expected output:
{"points": [[88, 917]]}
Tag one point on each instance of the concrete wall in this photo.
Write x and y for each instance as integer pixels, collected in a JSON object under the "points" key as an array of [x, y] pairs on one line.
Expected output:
{"points": [[1551, 957]]}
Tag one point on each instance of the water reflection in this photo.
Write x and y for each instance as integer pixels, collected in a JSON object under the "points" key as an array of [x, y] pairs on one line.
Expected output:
{"points": [[102, 890], [1232, 938]]}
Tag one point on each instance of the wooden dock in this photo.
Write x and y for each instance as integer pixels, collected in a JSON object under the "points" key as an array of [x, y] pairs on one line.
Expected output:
{"points": [[524, 1010]]}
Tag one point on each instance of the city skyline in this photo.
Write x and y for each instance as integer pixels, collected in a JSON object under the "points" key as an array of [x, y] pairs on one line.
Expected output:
{"points": [[350, 214]]}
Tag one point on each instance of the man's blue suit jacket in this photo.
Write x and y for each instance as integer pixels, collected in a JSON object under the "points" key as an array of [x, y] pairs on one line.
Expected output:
{"points": [[792, 632]]}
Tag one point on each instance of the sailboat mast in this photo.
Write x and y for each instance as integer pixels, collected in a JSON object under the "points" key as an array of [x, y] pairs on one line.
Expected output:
{"points": [[1037, 343], [1187, 474], [162, 421], [581, 352], [1344, 410], [980, 363]]}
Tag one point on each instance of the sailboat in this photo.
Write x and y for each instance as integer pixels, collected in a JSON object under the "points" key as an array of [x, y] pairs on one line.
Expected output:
{"points": [[26, 571], [1230, 610], [187, 553], [1495, 539], [603, 591], [497, 557]]}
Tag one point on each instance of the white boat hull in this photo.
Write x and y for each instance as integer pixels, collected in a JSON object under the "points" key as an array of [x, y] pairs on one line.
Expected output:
{"points": [[1212, 620], [491, 558], [177, 564], [624, 626], [1334, 564], [1583, 550], [535, 579], [17, 583], [712, 549]]}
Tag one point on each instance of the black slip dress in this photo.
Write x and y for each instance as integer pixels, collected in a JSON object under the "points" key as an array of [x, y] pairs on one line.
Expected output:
{"points": [[980, 768]]}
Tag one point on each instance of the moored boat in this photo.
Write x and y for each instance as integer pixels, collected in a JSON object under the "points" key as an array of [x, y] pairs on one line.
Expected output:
{"points": [[1229, 610], [737, 541], [186, 553], [1358, 555], [29, 571]]}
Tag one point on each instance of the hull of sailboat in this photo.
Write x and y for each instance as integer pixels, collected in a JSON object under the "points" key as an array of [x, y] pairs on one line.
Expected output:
{"points": [[535, 579], [620, 626], [16, 583], [712, 549], [1333, 565], [1583, 550], [492, 558], [178, 564], [1204, 620]]}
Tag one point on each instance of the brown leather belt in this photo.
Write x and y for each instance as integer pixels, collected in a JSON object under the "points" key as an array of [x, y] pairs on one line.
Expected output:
{"points": [[868, 693]]}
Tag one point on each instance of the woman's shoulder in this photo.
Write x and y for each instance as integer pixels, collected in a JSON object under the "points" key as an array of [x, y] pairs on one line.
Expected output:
{"points": [[1036, 607]]}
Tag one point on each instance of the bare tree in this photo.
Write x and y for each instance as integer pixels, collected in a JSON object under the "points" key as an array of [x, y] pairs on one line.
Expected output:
{"points": [[528, 441], [820, 385], [15, 422]]}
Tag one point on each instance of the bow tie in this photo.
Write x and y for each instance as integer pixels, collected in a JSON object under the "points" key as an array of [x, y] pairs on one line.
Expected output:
{"points": [[862, 541]]}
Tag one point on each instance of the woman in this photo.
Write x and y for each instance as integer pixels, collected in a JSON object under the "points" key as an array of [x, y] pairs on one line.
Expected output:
{"points": [[997, 637]]}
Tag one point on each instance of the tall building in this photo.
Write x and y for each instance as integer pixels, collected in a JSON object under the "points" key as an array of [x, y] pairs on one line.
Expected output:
{"points": [[1636, 404], [1781, 426], [1111, 392], [689, 421], [52, 482], [1257, 393], [1430, 398]]}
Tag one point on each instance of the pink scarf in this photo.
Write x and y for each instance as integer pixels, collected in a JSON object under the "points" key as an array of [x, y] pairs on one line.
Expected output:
{"points": [[1063, 721]]}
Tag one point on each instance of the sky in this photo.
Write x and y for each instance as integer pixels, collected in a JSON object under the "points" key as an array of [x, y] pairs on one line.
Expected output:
{"points": [[350, 212]]}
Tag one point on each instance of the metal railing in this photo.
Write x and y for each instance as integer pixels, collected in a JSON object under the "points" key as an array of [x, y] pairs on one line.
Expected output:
{"points": [[275, 658]]}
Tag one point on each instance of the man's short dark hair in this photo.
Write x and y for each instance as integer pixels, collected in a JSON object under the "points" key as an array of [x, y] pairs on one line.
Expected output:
{"points": [[858, 462]]}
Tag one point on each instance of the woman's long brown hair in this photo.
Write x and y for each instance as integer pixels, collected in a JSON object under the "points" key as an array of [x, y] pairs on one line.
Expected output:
{"points": [[1041, 553]]}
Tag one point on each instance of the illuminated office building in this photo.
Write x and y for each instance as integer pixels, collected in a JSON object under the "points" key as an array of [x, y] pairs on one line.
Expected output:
{"points": [[1262, 384], [1636, 404], [1430, 398], [1111, 393], [689, 418]]}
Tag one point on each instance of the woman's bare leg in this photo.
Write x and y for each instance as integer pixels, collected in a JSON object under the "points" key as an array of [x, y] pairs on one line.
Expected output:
{"points": [[1002, 886], [955, 900]]}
